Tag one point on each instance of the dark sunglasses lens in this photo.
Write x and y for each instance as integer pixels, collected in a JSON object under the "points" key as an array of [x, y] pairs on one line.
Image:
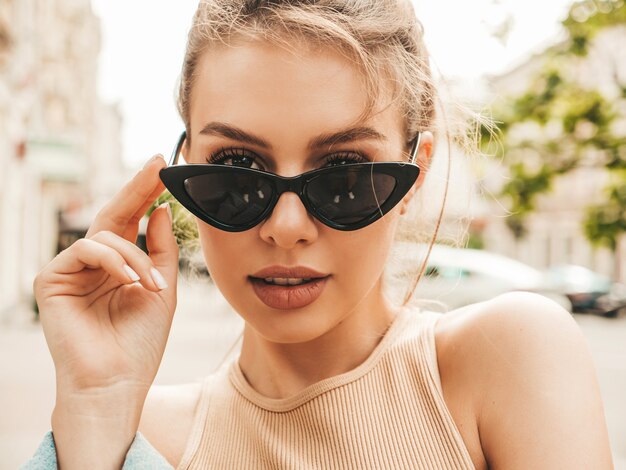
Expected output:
{"points": [[235, 198], [350, 195]]}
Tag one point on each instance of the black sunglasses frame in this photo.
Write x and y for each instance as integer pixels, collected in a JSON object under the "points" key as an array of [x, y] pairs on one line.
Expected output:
{"points": [[174, 176]]}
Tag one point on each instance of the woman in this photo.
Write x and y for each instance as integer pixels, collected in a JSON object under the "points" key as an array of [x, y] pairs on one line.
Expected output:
{"points": [[316, 120]]}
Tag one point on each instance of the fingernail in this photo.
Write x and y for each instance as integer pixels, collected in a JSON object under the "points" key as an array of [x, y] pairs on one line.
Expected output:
{"points": [[169, 210], [156, 157], [158, 279], [131, 274]]}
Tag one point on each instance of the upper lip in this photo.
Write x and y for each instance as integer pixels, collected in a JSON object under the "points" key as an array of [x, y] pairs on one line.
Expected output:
{"points": [[296, 272]]}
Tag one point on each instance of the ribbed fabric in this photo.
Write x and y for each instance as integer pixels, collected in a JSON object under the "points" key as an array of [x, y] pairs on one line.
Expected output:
{"points": [[388, 413]]}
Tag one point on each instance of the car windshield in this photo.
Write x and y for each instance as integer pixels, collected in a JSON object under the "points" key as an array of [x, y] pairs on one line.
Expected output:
{"points": [[444, 259], [491, 264]]}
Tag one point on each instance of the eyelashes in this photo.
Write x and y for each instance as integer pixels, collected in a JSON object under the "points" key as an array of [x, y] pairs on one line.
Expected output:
{"points": [[236, 156], [342, 158], [245, 158]]}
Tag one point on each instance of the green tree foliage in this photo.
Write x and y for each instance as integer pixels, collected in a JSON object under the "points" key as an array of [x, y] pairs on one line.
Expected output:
{"points": [[588, 17], [605, 223], [571, 126], [183, 223]]}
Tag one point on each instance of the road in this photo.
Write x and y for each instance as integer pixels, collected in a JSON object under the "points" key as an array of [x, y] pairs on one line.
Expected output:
{"points": [[203, 331]]}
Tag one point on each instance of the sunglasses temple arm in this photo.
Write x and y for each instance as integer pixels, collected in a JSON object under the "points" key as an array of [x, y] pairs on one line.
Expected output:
{"points": [[416, 146], [177, 149]]}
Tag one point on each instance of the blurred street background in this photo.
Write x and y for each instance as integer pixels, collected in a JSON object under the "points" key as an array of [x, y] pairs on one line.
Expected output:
{"points": [[87, 95]]}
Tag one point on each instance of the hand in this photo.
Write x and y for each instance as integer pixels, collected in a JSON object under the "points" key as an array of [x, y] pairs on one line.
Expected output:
{"points": [[105, 331], [101, 326]]}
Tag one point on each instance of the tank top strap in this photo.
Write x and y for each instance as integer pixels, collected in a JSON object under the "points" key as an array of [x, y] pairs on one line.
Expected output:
{"points": [[427, 345], [427, 348]]}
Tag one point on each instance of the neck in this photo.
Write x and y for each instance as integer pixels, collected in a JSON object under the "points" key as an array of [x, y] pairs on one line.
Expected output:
{"points": [[278, 370]]}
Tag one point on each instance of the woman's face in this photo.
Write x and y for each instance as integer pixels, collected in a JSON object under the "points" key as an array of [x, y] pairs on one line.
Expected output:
{"points": [[260, 106]]}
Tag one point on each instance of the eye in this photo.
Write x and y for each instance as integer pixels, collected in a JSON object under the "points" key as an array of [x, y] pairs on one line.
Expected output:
{"points": [[235, 157], [345, 158]]}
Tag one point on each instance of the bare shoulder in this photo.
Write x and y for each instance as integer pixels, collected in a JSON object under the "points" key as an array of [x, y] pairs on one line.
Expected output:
{"points": [[507, 319], [167, 418], [526, 370]]}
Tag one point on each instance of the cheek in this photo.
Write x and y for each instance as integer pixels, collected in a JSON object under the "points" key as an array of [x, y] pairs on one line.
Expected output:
{"points": [[224, 253], [361, 255]]}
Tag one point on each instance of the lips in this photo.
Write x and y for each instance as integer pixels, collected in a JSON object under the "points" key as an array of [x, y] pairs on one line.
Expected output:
{"points": [[286, 288], [283, 272]]}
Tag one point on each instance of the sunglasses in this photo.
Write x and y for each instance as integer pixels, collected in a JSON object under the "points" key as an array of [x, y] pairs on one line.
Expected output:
{"points": [[343, 197]]}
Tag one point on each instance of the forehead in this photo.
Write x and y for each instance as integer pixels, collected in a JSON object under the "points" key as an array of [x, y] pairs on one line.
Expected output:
{"points": [[262, 85]]}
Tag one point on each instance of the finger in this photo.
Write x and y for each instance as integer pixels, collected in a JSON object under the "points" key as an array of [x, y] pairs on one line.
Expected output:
{"points": [[140, 262], [132, 229], [161, 243], [86, 253], [124, 210]]}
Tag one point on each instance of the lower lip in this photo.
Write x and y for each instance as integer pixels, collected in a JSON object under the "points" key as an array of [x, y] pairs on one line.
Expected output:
{"points": [[288, 297]]}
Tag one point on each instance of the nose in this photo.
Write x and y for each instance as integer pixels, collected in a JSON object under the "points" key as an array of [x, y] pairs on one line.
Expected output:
{"points": [[289, 224]]}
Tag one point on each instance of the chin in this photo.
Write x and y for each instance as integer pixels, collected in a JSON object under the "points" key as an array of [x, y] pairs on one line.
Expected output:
{"points": [[291, 326]]}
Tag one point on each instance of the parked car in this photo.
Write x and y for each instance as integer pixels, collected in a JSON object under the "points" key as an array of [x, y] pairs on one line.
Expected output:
{"points": [[588, 291], [458, 276]]}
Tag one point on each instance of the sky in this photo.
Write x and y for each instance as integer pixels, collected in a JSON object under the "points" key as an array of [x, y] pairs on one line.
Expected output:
{"points": [[143, 47]]}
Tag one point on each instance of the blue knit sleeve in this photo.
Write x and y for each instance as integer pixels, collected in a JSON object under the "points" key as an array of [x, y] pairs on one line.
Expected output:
{"points": [[140, 456]]}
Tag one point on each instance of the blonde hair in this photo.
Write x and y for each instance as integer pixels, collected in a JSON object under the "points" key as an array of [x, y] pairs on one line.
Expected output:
{"points": [[378, 36], [383, 38]]}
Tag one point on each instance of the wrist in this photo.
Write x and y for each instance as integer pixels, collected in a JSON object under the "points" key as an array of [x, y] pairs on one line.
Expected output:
{"points": [[95, 430]]}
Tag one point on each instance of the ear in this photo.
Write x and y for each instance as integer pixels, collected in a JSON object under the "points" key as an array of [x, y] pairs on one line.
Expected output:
{"points": [[424, 157]]}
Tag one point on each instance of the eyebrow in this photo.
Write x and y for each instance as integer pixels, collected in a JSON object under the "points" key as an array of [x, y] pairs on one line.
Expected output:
{"points": [[347, 135], [323, 140], [232, 132]]}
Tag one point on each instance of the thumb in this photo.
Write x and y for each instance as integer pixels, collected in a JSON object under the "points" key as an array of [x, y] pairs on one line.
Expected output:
{"points": [[161, 244]]}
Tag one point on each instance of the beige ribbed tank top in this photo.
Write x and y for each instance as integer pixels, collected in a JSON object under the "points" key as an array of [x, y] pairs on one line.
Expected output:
{"points": [[387, 413]]}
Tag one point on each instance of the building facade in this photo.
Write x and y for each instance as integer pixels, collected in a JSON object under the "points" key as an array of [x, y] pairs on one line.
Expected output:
{"points": [[54, 132]]}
